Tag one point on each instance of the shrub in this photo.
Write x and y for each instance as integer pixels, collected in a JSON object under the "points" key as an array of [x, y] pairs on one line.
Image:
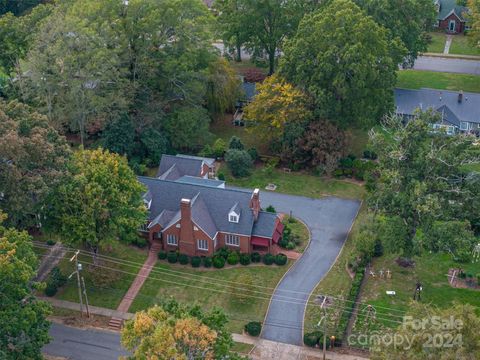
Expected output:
{"points": [[183, 259], [462, 275], [162, 255], [281, 259], [57, 277], [233, 258], [207, 262], [195, 261], [172, 257], [221, 176], [218, 262], [140, 242], [268, 259], [239, 162], [312, 339], [244, 259], [253, 328], [256, 257], [235, 143], [253, 74], [223, 252], [219, 147], [283, 243], [51, 242], [369, 154], [271, 209], [51, 289], [253, 153], [290, 245]]}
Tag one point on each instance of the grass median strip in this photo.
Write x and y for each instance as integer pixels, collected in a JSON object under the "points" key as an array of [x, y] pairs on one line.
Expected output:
{"points": [[417, 79]]}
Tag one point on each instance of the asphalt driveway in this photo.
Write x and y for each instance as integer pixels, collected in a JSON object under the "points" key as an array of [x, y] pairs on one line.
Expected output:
{"points": [[329, 220]]}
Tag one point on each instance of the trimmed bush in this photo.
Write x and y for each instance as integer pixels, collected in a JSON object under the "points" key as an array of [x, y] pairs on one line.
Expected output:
{"points": [[233, 258], [172, 257], [271, 209], [253, 328], [218, 262], [223, 252], [281, 259], [51, 289], [162, 255], [207, 262], [290, 245], [283, 243], [221, 176], [256, 257], [51, 242], [245, 259], [183, 259], [235, 143], [312, 339], [268, 259], [195, 261], [253, 153]]}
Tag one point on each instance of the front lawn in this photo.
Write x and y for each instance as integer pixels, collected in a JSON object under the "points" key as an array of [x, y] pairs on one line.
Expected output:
{"points": [[416, 79], [296, 183], [430, 270], [438, 42], [214, 287], [108, 283], [461, 45]]}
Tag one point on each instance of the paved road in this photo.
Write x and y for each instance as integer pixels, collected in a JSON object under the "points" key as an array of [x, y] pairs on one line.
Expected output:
{"points": [[329, 220], [89, 344], [448, 65]]}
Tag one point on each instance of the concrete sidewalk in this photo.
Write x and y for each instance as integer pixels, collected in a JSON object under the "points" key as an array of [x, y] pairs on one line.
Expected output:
{"points": [[93, 309], [266, 349]]}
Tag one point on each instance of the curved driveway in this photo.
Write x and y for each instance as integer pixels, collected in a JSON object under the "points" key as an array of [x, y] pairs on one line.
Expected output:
{"points": [[329, 220]]}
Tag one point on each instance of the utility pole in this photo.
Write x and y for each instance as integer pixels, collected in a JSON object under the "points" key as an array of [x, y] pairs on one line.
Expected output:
{"points": [[86, 298], [324, 319], [77, 270]]}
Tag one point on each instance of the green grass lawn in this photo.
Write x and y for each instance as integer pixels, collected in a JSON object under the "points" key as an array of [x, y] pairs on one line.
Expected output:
{"points": [[336, 283], [296, 183], [416, 79], [438, 42], [214, 287], [242, 348], [431, 270], [105, 287], [461, 45]]}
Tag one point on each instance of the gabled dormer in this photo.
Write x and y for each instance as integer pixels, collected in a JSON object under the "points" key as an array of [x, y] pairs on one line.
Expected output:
{"points": [[234, 214]]}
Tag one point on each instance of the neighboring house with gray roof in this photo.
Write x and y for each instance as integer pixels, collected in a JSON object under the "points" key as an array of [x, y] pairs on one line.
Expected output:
{"points": [[460, 112], [198, 219], [450, 16], [173, 167]]}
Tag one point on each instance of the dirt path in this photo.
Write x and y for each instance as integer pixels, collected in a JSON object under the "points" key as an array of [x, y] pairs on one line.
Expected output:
{"points": [[55, 254]]}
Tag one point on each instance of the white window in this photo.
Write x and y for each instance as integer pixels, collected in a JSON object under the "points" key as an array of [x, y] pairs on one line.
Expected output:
{"points": [[172, 240], [233, 218], [451, 130], [464, 125], [202, 244], [148, 204], [231, 239]]}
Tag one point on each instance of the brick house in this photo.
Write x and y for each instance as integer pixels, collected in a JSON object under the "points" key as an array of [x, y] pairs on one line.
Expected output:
{"points": [[450, 16], [198, 219]]}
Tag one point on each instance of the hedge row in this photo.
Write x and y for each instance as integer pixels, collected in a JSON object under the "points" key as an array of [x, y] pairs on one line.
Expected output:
{"points": [[349, 304], [221, 257]]}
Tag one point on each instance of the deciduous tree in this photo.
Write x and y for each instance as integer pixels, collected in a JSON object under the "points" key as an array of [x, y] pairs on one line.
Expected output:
{"points": [[99, 203], [276, 104], [33, 159], [223, 87], [24, 328], [420, 180], [345, 61], [474, 19]]}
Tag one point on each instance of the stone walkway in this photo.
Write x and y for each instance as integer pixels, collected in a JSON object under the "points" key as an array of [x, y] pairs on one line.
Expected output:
{"points": [[116, 322]]}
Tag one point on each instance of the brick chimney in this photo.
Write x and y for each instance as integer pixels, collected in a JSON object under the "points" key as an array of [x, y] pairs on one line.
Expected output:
{"points": [[187, 240], [460, 96], [255, 203]]}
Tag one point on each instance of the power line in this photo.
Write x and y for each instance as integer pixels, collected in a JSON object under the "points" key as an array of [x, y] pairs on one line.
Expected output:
{"points": [[303, 303], [167, 271], [269, 296]]}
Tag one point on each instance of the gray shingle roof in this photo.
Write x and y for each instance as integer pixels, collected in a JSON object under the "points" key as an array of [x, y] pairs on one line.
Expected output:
{"points": [[164, 218], [407, 101], [208, 161], [200, 181], [217, 202], [183, 166], [446, 6], [265, 224]]}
